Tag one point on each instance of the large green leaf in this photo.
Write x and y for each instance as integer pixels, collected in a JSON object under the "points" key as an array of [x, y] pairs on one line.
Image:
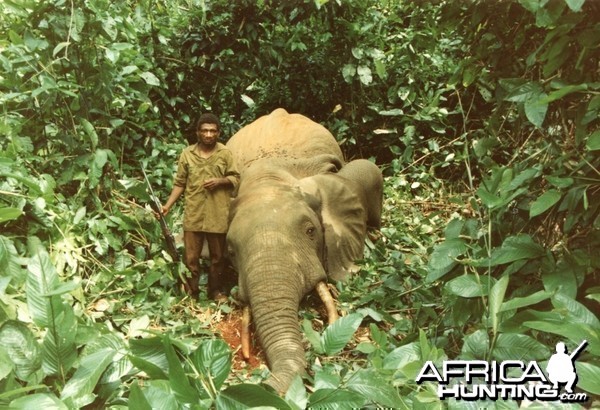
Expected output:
{"points": [[62, 288], [337, 335], [514, 248], [33, 184], [373, 386], [90, 132], [563, 279], [41, 281], [523, 178], [297, 394], [327, 378], [21, 347], [443, 258], [536, 109], [59, 349], [6, 364], [81, 385], [150, 78], [98, 160], [180, 384], [403, 356], [498, 200], [495, 301], [9, 213], [136, 188], [336, 399], [575, 5], [48, 311], [547, 200], [152, 370], [247, 100], [348, 72], [213, 360], [120, 368], [510, 346], [469, 286], [518, 90], [149, 356], [476, 346], [588, 377], [558, 52], [137, 400], [515, 323], [547, 15], [364, 74], [247, 396], [519, 302], [577, 313], [571, 331], [159, 394], [560, 182], [10, 261], [564, 90], [593, 141], [38, 401], [312, 336]]}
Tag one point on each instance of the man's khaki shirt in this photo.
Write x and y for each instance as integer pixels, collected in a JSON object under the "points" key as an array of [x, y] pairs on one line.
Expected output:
{"points": [[204, 210]]}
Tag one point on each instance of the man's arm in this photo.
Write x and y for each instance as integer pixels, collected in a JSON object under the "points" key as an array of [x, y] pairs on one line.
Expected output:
{"points": [[175, 194], [231, 177], [213, 183], [232, 172]]}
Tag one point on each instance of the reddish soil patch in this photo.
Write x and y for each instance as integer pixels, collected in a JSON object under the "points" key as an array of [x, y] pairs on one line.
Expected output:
{"points": [[231, 329]]}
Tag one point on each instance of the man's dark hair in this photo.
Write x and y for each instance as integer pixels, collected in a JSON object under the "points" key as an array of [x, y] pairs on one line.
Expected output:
{"points": [[208, 118]]}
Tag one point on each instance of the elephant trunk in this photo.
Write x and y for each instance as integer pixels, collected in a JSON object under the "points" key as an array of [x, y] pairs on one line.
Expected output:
{"points": [[279, 334], [283, 370], [274, 297]]}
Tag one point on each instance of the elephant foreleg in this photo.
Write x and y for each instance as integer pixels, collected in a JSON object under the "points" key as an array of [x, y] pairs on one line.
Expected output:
{"points": [[325, 295]]}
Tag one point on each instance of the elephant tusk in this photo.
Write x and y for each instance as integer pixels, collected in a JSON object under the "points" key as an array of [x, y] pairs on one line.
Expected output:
{"points": [[246, 333], [323, 290]]}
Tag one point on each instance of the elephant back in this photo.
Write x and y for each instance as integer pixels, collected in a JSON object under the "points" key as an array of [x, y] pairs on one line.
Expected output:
{"points": [[282, 135]]}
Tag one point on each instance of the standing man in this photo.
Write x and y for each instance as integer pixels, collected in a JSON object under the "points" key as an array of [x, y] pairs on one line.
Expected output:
{"points": [[207, 174]]}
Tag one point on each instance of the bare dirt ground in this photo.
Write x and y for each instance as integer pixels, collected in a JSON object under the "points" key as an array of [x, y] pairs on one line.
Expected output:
{"points": [[230, 329]]}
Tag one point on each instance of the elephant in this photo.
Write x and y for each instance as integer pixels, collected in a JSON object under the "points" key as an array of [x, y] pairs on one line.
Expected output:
{"points": [[300, 217]]}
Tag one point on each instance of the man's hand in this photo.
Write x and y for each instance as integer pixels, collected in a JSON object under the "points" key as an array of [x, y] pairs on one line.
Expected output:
{"points": [[164, 210], [175, 194], [213, 183]]}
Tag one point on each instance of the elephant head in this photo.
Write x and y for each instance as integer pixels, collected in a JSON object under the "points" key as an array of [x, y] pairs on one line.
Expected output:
{"points": [[290, 230]]}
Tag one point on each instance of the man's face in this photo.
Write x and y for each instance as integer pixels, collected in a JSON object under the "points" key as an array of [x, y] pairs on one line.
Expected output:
{"points": [[208, 134]]}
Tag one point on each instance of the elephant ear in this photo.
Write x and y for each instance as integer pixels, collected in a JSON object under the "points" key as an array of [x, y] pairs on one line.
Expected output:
{"points": [[344, 221]]}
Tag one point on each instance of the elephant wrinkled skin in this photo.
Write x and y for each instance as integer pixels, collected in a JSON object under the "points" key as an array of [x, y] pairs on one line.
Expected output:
{"points": [[300, 217]]}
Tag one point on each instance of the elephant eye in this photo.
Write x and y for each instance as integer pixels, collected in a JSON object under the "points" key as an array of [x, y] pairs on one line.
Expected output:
{"points": [[310, 231]]}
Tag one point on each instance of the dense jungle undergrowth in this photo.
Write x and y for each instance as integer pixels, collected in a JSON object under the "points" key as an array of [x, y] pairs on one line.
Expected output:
{"points": [[484, 116]]}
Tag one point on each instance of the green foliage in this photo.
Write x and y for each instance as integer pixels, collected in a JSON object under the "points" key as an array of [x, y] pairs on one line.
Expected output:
{"points": [[487, 130], [335, 337]]}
